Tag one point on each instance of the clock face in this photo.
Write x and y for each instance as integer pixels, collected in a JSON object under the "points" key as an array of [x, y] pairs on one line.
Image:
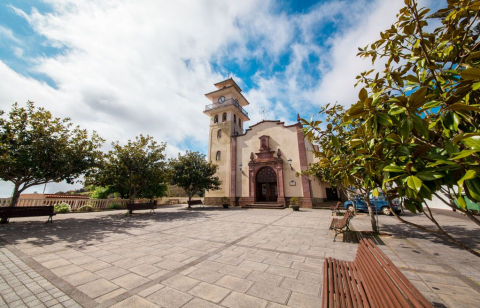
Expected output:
{"points": [[221, 99]]}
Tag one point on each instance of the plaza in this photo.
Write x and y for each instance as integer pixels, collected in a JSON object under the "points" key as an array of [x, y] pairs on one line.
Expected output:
{"points": [[215, 257]]}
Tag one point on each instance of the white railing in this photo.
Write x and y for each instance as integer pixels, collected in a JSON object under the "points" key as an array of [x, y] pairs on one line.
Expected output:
{"points": [[97, 204]]}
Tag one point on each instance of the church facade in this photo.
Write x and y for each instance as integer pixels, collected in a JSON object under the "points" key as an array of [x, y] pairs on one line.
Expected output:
{"points": [[258, 166]]}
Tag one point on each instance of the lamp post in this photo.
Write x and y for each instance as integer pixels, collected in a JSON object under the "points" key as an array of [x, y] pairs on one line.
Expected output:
{"points": [[290, 163]]}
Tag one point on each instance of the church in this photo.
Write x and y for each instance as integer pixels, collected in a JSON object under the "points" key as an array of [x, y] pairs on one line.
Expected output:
{"points": [[258, 166]]}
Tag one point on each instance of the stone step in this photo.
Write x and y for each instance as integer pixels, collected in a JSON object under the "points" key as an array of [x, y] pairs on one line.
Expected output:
{"points": [[258, 205]]}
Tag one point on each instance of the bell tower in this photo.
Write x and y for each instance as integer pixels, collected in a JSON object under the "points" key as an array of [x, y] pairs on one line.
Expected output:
{"points": [[227, 118]]}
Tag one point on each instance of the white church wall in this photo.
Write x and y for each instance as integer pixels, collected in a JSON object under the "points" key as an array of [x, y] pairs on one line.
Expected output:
{"points": [[281, 137]]}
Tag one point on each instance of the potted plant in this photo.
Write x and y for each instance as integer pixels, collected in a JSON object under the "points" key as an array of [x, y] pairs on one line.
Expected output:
{"points": [[295, 203], [225, 202]]}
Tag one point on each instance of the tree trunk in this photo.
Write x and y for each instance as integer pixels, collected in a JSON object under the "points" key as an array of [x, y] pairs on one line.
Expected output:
{"points": [[13, 202], [189, 199], [454, 207], [371, 214], [439, 233]]}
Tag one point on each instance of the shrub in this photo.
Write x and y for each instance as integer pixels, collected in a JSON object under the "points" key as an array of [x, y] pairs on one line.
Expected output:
{"points": [[86, 208], [225, 200], [295, 201], [114, 206], [62, 208]]}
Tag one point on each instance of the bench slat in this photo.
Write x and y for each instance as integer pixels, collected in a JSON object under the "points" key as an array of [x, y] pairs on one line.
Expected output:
{"points": [[371, 280], [407, 288]]}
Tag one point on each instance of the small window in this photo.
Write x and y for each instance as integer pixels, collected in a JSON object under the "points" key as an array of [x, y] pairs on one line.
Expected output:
{"points": [[224, 117], [240, 123], [219, 133], [234, 118], [215, 119], [219, 155]]}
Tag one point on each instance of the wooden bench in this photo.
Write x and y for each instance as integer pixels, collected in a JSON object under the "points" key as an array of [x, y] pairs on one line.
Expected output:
{"points": [[142, 206], [195, 202], [371, 280], [336, 208], [28, 211], [341, 225]]}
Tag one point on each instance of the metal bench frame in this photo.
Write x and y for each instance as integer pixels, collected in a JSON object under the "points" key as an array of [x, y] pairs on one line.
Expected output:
{"points": [[195, 202], [28, 211], [336, 208], [371, 280], [142, 206], [341, 225]]}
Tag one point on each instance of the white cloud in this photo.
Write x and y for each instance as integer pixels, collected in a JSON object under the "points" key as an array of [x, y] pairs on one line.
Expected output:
{"points": [[130, 67], [7, 34]]}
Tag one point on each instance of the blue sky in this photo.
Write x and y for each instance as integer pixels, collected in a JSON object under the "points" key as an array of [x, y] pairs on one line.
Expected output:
{"points": [[128, 67]]}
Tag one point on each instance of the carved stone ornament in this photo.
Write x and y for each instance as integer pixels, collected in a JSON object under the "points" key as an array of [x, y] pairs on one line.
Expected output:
{"points": [[252, 157], [279, 154]]}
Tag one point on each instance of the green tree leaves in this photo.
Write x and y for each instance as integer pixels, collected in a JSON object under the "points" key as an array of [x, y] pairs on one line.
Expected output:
{"points": [[136, 169], [36, 148], [193, 173]]}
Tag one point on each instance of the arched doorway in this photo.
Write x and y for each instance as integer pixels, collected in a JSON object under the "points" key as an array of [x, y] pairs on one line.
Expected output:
{"points": [[266, 185]]}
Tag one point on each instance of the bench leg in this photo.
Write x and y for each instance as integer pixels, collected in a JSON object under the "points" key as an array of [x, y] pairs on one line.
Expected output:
{"points": [[152, 211], [335, 237], [49, 220]]}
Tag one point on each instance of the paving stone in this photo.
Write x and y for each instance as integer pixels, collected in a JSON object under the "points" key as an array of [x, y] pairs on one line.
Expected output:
{"points": [[96, 265], [209, 292], [169, 264], [200, 303], [313, 268], [310, 288], [130, 281], [265, 278], [135, 302], [151, 290], [205, 275], [282, 271], [55, 263], [211, 265], [180, 282], [144, 270], [110, 295], [254, 265], [97, 288], [291, 257], [82, 260], [270, 293], [112, 272], [168, 297], [235, 271], [303, 301], [125, 263], [234, 283], [80, 278], [239, 300]]}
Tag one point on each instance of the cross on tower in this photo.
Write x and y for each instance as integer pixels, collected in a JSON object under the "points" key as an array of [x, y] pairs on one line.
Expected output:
{"points": [[262, 112]]}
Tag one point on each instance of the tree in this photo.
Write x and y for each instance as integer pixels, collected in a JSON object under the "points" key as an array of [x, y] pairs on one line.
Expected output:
{"points": [[417, 121], [193, 173], [137, 169], [338, 164], [100, 192], [36, 148]]}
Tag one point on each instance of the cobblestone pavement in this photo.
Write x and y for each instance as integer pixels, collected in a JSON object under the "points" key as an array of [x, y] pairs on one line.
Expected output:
{"points": [[443, 273], [209, 257], [21, 286]]}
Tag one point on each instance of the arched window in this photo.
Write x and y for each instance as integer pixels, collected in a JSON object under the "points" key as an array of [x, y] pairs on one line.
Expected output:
{"points": [[219, 155], [240, 123], [234, 118], [215, 119], [224, 117], [219, 133]]}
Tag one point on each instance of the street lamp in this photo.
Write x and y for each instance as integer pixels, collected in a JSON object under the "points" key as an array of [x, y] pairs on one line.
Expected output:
{"points": [[240, 166], [290, 163]]}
